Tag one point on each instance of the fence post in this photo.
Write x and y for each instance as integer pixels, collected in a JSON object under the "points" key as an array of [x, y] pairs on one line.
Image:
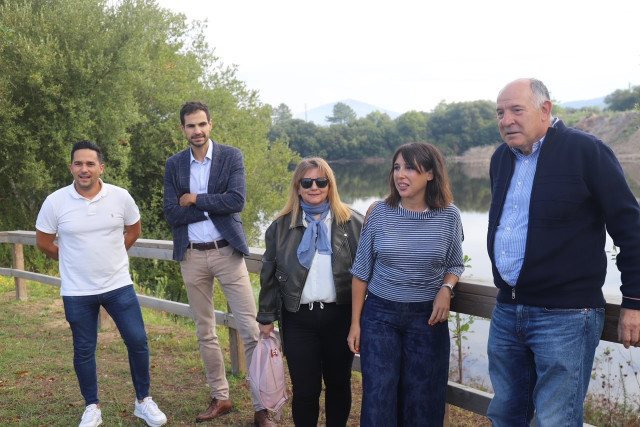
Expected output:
{"points": [[236, 350], [104, 320], [18, 264]]}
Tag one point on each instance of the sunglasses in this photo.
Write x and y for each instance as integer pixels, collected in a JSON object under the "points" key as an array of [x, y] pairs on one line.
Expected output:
{"points": [[306, 183]]}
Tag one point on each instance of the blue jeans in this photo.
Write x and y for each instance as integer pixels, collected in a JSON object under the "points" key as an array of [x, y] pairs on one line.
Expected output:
{"points": [[123, 307], [405, 364], [541, 359]]}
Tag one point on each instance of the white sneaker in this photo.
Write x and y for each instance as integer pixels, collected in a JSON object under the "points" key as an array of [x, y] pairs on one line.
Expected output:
{"points": [[92, 416], [149, 411]]}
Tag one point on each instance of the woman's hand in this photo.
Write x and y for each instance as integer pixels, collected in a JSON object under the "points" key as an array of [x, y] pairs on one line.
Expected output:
{"points": [[265, 329], [441, 305], [354, 338]]}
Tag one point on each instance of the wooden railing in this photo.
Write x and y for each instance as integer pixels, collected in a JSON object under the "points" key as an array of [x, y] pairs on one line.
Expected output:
{"points": [[472, 297]]}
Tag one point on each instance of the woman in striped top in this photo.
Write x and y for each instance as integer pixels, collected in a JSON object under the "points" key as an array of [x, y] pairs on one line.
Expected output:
{"points": [[409, 259]]}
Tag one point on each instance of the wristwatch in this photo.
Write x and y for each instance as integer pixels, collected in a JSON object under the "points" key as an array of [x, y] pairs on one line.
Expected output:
{"points": [[450, 286]]}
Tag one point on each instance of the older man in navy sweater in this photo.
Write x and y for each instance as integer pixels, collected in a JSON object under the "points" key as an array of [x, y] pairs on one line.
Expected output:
{"points": [[556, 191]]}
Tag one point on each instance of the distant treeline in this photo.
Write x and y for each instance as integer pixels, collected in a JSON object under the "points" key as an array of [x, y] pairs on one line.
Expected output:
{"points": [[452, 127]]}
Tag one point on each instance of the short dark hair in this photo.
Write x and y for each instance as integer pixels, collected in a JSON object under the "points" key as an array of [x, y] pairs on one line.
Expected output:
{"points": [[193, 106], [423, 157], [84, 145]]}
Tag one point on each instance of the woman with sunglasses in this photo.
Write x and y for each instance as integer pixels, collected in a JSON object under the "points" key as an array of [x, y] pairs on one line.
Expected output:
{"points": [[408, 261], [306, 285]]}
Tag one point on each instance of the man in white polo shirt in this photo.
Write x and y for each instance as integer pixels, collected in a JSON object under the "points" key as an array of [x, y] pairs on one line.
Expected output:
{"points": [[89, 217]]}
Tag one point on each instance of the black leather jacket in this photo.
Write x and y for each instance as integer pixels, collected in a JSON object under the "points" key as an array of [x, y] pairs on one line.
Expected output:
{"points": [[283, 277]]}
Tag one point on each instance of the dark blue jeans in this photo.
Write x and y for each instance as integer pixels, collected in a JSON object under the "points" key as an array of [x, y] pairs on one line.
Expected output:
{"points": [[541, 358], [123, 307], [405, 364]]}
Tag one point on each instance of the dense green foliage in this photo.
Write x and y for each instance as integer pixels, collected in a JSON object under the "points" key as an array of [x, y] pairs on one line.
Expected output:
{"points": [[452, 127], [281, 113], [623, 99], [117, 73], [342, 113]]}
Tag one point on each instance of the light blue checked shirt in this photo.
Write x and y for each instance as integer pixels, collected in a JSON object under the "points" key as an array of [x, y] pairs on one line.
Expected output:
{"points": [[202, 231], [511, 234]]}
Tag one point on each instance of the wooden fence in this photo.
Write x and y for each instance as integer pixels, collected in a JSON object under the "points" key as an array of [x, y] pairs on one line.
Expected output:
{"points": [[472, 297]]}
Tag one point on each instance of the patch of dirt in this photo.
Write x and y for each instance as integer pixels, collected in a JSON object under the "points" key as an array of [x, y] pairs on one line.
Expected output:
{"points": [[621, 131]]}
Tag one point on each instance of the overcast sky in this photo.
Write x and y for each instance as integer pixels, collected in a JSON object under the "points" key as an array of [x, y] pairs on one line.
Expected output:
{"points": [[406, 55]]}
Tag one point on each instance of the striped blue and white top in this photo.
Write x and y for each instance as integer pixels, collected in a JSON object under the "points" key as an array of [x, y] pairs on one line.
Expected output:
{"points": [[404, 255]]}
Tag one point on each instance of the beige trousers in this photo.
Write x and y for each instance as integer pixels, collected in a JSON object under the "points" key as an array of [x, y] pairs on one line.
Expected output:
{"points": [[198, 271]]}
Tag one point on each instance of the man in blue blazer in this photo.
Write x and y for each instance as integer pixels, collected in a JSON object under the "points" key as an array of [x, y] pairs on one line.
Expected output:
{"points": [[204, 193]]}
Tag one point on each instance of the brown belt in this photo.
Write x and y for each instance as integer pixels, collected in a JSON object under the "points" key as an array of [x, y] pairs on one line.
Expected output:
{"points": [[209, 245]]}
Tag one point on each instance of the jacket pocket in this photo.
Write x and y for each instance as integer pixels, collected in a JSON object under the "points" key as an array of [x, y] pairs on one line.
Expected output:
{"points": [[558, 197], [281, 276]]}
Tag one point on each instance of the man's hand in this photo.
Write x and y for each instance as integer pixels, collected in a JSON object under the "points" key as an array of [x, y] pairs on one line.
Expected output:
{"points": [[629, 327], [188, 199]]}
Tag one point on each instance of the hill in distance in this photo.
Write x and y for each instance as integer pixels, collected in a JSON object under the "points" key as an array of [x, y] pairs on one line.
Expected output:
{"points": [[595, 102], [319, 114]]}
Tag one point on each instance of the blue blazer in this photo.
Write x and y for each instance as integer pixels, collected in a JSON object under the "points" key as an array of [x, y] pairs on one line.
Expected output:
{"points": [[225, 198]]}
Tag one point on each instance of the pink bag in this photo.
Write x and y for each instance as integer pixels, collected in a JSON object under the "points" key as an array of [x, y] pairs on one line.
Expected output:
{"points": [[266, 373]]}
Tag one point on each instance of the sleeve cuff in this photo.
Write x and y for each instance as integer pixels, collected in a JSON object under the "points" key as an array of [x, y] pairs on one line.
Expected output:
{"points": [[631, 303]]}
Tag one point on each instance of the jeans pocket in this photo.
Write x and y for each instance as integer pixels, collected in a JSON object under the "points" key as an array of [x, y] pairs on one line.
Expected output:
{"points": [[560, 310]]}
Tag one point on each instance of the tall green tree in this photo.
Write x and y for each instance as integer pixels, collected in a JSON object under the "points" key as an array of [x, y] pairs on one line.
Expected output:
{"points": [[459, 126], [412, 127], [117, 73], [302, 137], [281, 113], [623, 99], [342, 114]]}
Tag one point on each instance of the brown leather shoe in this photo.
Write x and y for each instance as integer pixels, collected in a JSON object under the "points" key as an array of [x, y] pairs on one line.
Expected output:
{"points": [[215, 409], [263, 419]]}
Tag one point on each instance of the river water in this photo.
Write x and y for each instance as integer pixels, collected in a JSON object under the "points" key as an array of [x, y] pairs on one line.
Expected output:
{"points": [[360, 184]]}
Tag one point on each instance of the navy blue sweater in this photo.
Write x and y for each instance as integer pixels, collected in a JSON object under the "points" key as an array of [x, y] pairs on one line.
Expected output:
{"points": [[578, 190]]}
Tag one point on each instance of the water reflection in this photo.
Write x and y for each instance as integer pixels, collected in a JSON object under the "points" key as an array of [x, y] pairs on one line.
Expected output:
{"points": [[469, 183]]}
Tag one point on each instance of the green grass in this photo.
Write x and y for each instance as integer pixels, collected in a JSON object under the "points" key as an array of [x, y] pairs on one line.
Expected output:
{"points": [[38, 386]]}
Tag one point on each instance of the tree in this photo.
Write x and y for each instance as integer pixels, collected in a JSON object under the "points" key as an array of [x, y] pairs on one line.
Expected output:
{"points": [[342, 114], [459, 126], [412, 127], [281, 114], [623, 99], [301, 136], [117, 73]]}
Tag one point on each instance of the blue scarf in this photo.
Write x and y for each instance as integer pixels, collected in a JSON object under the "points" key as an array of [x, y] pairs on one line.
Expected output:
{"points": [[316, 236]]}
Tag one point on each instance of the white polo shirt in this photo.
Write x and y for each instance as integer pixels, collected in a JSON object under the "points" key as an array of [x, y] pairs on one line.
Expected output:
{"points": [[92, 256]]}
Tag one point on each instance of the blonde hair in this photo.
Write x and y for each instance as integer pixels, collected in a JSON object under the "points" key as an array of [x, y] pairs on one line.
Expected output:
{"points": [[339, 210]]}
